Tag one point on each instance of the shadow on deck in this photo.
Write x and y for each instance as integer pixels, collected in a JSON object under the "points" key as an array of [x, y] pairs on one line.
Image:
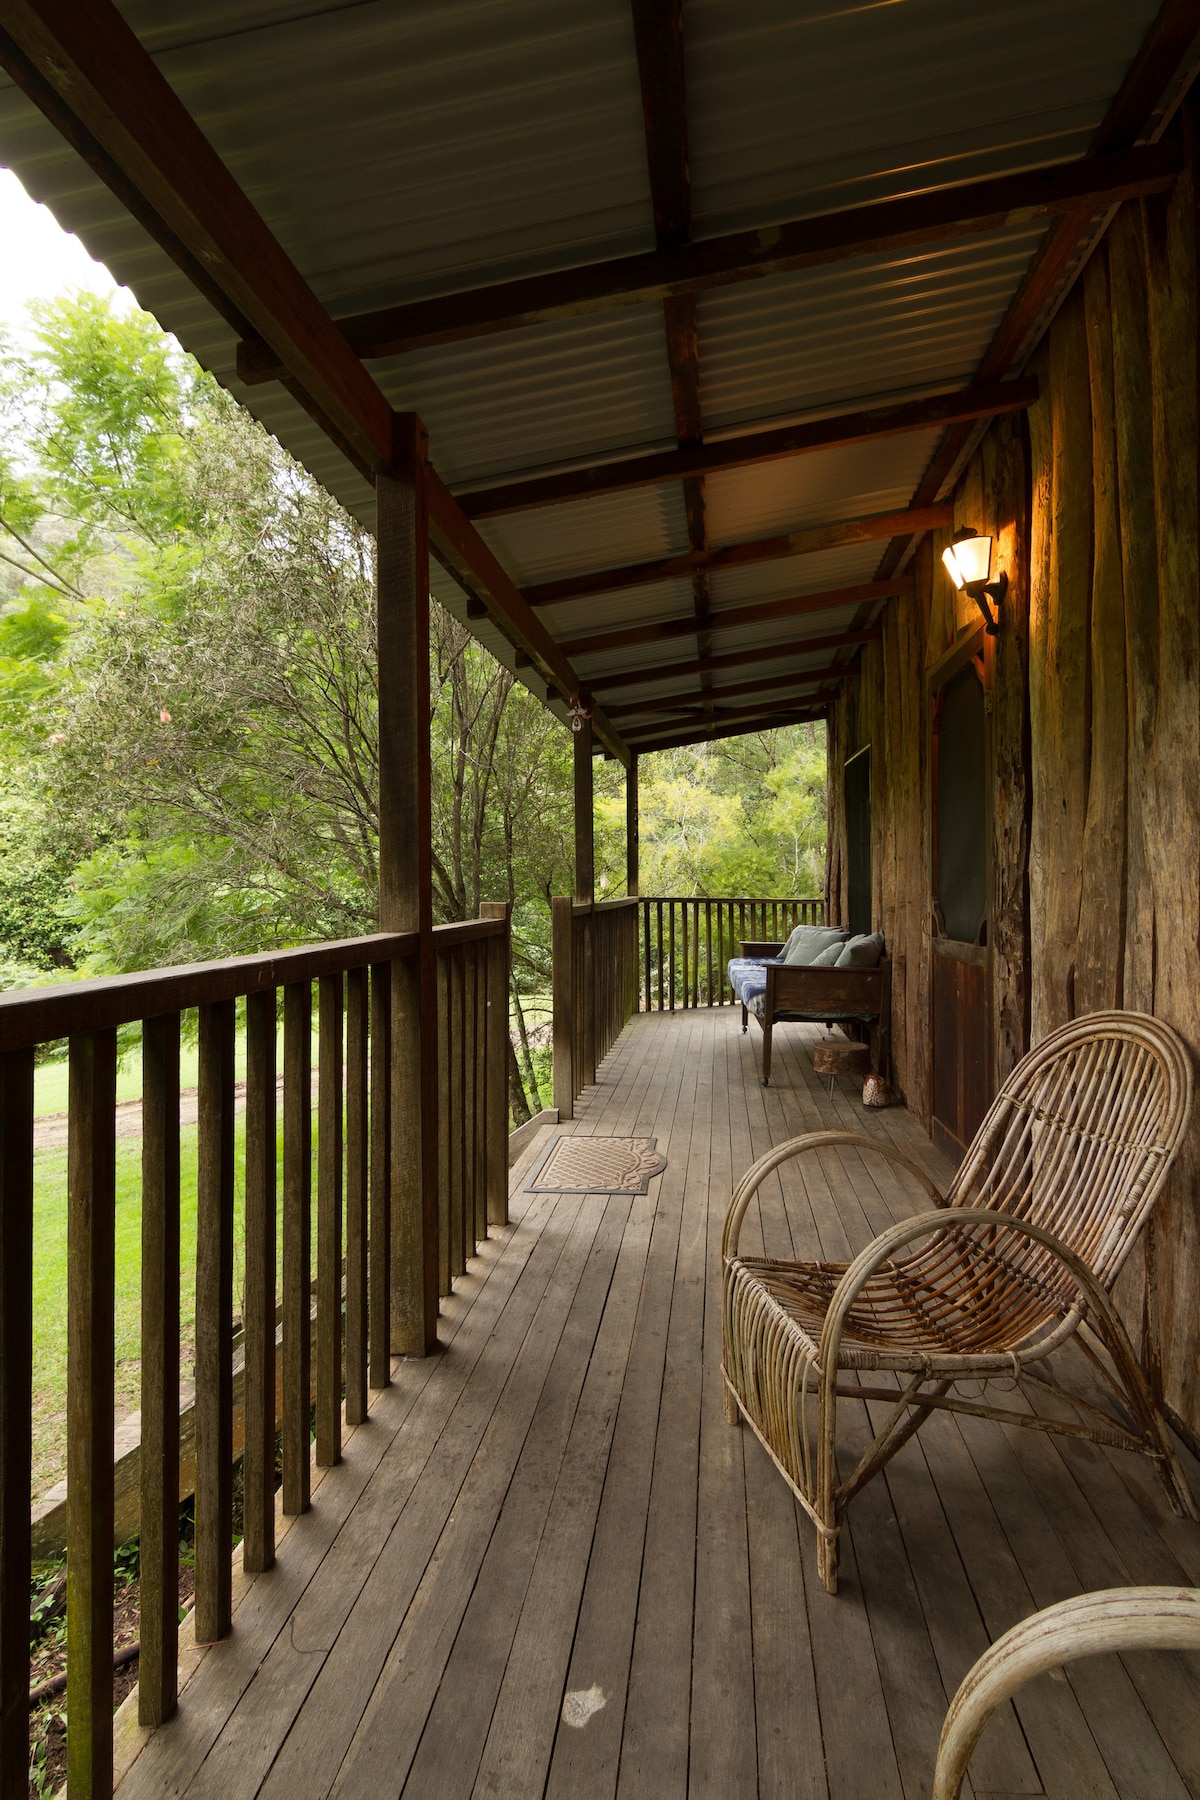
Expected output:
{"points": [[546, 1565]]}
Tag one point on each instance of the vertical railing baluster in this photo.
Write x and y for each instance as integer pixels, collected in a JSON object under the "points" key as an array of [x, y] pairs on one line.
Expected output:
{"points": [[214, 1322], [329, 1222], [480, 953], [498, 958], [258, 1304], [458, 1254], [379, 1302], [658, 908], [445, 1200], [356, 1196], [91, 1208], [297, 1243], [671, 953], [470, 1234], [158, 1588], [646, 931], [16, 1379], [685, 970]]}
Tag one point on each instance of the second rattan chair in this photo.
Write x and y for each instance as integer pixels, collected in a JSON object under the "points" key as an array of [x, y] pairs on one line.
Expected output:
{"points": [[1024, 1250]]}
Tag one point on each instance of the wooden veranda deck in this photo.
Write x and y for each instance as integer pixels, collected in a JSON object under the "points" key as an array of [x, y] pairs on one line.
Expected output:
{"points": [[554, 1511]]}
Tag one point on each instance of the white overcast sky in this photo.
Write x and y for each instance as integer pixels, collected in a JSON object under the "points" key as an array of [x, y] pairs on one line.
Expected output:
{"points": [[38, 259]]}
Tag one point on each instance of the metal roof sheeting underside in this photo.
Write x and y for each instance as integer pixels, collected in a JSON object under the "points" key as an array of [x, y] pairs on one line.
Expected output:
{"points": [[403, 152]]}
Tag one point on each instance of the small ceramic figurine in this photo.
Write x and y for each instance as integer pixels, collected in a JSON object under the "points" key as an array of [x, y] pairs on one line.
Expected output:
{"points": [[876, 1091]]}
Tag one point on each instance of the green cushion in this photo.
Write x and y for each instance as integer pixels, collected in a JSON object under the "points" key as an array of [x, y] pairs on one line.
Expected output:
{"points": [[808, 941], [829, 956], [862, 952]]}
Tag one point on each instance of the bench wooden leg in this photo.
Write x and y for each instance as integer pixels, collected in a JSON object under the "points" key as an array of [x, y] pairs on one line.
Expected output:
{"points": [[745, 1018], [766, 1062]]}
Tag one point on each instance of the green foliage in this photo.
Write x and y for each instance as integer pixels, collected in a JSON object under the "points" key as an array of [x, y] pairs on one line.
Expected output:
{"points": [[745, 816], [188, 732]]}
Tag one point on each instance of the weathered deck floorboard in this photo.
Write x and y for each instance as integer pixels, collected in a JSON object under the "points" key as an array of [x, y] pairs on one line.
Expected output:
{"points": [[555, 1506]]}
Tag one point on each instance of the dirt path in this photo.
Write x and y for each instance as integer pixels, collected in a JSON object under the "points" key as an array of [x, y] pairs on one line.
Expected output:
{"points": [[50, 1131]]}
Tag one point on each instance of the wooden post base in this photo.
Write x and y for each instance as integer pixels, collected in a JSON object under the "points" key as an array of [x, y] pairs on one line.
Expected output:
{"points": [[837, 1056]]}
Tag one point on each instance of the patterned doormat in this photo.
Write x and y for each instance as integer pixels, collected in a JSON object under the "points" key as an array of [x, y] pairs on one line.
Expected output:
{"points": [[597, 1165]]}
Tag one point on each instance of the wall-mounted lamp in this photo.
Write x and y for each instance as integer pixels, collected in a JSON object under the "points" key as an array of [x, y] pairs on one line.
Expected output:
{"points": [[968, 561], [580, 711]]}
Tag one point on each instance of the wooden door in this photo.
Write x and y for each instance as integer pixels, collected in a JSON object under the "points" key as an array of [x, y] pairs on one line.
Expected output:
{"points": [[961, 972]]}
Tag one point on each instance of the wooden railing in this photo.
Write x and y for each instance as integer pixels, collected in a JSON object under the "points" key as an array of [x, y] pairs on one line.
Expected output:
{"points": [[355, 1158], [595, 989], [686, 944]]}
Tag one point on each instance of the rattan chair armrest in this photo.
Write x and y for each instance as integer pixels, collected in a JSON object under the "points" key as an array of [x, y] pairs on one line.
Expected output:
{"points": [[797, 1146], [950, 1218], [1120, 1619]]}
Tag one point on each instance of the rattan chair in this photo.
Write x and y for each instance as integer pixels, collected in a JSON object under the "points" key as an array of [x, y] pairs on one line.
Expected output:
{"points": [[1022, 1252], [1139, 1618]]}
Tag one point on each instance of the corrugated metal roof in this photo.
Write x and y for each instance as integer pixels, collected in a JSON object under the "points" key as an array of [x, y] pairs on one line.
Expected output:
{"points": [[407, 150], [803, 105], [836, 335]]}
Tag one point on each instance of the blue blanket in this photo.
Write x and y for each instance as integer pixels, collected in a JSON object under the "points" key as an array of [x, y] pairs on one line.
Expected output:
{"points": [[748, 979]]}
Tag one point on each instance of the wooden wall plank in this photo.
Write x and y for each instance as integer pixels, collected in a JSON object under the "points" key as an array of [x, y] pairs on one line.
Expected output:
{"points": [[1171, 776], [1100, 955], [1058, 660], [1004, 458]]}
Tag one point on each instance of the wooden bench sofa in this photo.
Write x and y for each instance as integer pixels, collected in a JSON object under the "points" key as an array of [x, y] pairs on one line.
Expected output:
{"points": [[798, 993]]}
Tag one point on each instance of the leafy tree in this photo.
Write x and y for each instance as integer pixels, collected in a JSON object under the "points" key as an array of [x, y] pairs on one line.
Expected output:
{"points": [[188, 741]]}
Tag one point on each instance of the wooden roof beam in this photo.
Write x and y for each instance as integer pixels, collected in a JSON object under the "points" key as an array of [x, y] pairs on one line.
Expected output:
{"points": [[814, 538], [782, 685], [767, 444], [704, 734], [733, 617], [658, 36], [737, 659], [935, 215]]}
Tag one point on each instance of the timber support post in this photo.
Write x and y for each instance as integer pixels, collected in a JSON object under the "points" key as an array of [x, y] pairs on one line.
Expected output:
{"points": [[585, 852], [562, 925], [631, 828], [498, 952], [405, 887]]}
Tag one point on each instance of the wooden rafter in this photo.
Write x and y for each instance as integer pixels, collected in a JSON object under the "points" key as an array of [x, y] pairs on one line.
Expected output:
{"points": [[775, 684], [703, 734], [813, 538], [934, 216], [732, 618], [736, 659], [88, 71], [658, 35], [764, 444]]}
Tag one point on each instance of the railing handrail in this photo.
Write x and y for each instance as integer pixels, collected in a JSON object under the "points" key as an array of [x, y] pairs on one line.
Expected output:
{"points": [[581, 907], [37, 1015], [733, 899]]}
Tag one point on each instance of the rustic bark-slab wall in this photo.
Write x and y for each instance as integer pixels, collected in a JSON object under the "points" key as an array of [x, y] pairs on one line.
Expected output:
{"points": [[1094, 710]]}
